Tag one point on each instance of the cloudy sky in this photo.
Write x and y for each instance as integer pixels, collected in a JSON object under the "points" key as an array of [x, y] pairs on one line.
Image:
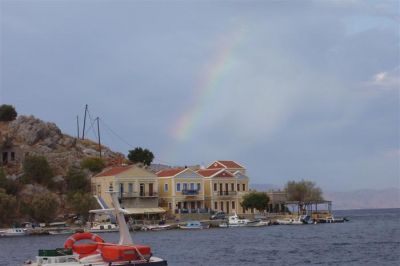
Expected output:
{"points": [[290, 89]]}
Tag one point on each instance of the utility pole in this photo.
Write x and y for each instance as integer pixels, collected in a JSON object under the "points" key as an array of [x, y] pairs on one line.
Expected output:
{"points": [[77, 126], [98, 133], [84, 123]]}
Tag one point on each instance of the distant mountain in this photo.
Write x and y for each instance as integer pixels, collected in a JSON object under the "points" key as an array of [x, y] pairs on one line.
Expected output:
{"points": [[364, 199]]}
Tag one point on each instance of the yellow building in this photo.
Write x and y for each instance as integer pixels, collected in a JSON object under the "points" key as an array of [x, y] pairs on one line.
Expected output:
{"points": [[225, 184], [181, 190], [137, 187]]}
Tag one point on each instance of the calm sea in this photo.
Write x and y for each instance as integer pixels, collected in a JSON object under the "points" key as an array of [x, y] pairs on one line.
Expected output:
{"points": [[372, 237]]}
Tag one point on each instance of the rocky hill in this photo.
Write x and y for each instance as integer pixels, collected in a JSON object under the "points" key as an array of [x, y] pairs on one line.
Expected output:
{"points": [[28, 135]]}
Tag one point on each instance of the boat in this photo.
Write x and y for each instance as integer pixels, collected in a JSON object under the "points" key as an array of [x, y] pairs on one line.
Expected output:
{"points": [[60, 232], [14, 232], [59, 228], [194, 225], [235, 221], [103, 228], [156, 227], [331, 219], [97, 252], [302, 219]]}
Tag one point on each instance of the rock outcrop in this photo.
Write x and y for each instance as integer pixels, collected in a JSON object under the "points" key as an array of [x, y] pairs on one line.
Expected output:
{"points": [[28, 135]]}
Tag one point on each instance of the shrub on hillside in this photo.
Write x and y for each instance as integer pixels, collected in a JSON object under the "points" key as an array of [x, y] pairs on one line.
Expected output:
{"points": [[7, 112], [37, 169], [94, 164], [81, 203], [44, 207], [11, 186], [8, 207], [77, 180]]}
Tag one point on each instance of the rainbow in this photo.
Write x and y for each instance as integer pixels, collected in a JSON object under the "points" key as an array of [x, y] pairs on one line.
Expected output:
{"points": [[208, 85]]}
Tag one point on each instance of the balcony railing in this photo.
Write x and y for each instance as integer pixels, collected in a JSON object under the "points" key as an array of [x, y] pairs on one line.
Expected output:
{"points": [[190, 192], [139, 195], [199, 210], [225, 193]]}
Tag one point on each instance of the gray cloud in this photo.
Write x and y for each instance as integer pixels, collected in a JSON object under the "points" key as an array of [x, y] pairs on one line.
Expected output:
{"points": [[306, 93]]}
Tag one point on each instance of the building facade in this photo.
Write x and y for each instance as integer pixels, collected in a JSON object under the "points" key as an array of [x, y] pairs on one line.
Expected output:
{"points": [[181, 190], [225, 184], [137, 188]]}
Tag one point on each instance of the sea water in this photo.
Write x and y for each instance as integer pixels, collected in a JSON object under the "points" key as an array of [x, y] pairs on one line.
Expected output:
{"points": [[372, 237]]}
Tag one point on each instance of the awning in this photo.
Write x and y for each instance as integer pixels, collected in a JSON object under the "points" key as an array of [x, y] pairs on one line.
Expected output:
{"points": [[144, 210]]}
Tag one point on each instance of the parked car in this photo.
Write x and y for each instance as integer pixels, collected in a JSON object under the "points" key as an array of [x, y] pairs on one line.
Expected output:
{"points": [[218, 216]]}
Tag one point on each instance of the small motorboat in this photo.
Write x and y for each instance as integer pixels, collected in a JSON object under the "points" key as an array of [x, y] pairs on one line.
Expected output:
{"points": [[103, 228], [303, 219], [14, 232], [156, 227], [194, 225], [235, 221], [97, 252]]}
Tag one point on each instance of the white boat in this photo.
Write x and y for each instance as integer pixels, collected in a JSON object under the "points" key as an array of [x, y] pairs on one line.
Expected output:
{"points": [[303, 219], [59, 228], [156, 227], [235, 221], [97, 252], [14, 232], [61, 232], [103, 228], [194, 225]]}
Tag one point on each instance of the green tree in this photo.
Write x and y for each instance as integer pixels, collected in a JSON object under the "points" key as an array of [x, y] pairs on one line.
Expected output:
{"points": [[81, 203], [140, 155], [37, 169], [7, 112], [94, 164], [303, 191], [11, 186], [255, 200], [44, 207], [8, 207], [77, 180]]}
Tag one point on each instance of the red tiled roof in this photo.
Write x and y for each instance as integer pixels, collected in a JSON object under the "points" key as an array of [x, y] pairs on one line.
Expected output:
{"points": [[212, 172], [225, 164], [224, 174], [114, 171], [170, 172], [208, 172]]}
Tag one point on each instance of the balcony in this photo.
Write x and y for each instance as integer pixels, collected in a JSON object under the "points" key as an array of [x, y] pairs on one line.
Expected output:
{"points": [[127, 195], [190, 192], [225, 193]]}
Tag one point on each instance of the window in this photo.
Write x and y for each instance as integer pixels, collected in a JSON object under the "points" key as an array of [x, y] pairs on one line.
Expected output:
{"points": [[215, 186], [166, 187], [222, 205], [178, 187], [238, 187], [130, 187], [216, 205], [170, 205], [12, 156], [184, 186], [142, 189], [191, 186], [198, 186], [233, 205], [99, 190], [232, 187], [244, 187]]}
